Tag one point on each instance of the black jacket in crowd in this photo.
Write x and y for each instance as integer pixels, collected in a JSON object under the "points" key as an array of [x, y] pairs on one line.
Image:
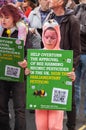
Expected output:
{"points": [[80, 12], [70, 34]]}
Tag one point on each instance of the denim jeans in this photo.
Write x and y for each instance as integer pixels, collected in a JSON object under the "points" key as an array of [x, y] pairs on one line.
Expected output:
{"points": [[80, 81], [18, 96]]}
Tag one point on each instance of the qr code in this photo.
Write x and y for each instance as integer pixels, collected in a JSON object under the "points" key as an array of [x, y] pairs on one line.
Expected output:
{"points": [[12, 71], [59, 96]]}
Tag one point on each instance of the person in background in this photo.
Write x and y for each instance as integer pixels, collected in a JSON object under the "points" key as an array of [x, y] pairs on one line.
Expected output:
{"points": [[35, 1], [27, 7], [76, 1], [38, 16], [2, 2], [19, 3], [70, 40], [71, 4], [9, 16], [22, 25], [80, 12], [50, 119]]}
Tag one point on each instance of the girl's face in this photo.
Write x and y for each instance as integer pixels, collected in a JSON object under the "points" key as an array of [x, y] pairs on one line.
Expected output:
{"points": [[7, 21], [50, 39]]}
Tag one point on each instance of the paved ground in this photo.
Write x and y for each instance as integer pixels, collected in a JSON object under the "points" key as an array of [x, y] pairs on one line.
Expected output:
{"points": [[81, 120]]}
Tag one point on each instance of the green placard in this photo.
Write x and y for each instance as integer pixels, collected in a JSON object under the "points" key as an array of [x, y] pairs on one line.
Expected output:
{"points": [[48, 86], [11, 52]]}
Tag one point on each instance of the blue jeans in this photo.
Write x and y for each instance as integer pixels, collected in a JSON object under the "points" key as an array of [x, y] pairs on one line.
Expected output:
{"points": [[80, 81]]}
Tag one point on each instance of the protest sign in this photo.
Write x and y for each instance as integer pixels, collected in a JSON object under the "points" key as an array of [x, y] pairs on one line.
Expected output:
{"points": [[48, 86], [11, 52]]}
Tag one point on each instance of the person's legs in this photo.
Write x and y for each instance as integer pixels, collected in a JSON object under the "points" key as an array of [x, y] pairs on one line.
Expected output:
{"points": [[80, 81], [18, 91], [77, 85], [55, 119], [83, 78], [4, 112], [71, 115], [41, 119]]}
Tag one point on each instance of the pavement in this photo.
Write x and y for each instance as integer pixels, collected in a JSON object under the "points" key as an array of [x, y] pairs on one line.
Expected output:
{"points": [[30, 119]]}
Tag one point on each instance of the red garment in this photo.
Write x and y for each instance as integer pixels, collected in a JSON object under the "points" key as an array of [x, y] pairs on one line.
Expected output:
{"points": [[27, 12]]}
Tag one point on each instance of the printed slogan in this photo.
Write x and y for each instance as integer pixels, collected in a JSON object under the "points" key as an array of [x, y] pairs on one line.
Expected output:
{"points": [[48, 86]]}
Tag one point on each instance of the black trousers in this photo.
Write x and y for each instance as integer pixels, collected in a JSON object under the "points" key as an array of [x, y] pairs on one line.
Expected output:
{"points": [[18, 96], [71, 115]]}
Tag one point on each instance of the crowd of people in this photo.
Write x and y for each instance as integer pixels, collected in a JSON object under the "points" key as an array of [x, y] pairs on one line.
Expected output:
{"points": [[35, 22]]}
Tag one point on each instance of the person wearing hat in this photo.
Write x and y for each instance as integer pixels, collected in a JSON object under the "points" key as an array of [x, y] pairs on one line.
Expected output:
{"points": [[49, 119]]}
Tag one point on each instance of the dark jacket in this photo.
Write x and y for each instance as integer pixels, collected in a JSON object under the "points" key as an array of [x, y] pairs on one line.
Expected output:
{"points": [[80, 12], [70, 34], [13, 35]]}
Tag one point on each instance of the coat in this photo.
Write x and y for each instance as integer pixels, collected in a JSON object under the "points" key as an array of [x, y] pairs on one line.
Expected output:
{"points": [[70, 35]]}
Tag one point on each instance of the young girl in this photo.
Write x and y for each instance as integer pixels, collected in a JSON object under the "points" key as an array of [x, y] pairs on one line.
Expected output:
{"points": [[9, 17], [50, 119]]}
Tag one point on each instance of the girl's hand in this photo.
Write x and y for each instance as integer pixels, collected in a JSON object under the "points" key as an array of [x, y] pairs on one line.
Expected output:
{"points": [[23, 64], [27, 71], [71, 75]]}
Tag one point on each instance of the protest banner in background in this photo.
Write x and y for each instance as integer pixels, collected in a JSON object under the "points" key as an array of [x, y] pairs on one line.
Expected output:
{"points": [[48, 86], [11, 52]]}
